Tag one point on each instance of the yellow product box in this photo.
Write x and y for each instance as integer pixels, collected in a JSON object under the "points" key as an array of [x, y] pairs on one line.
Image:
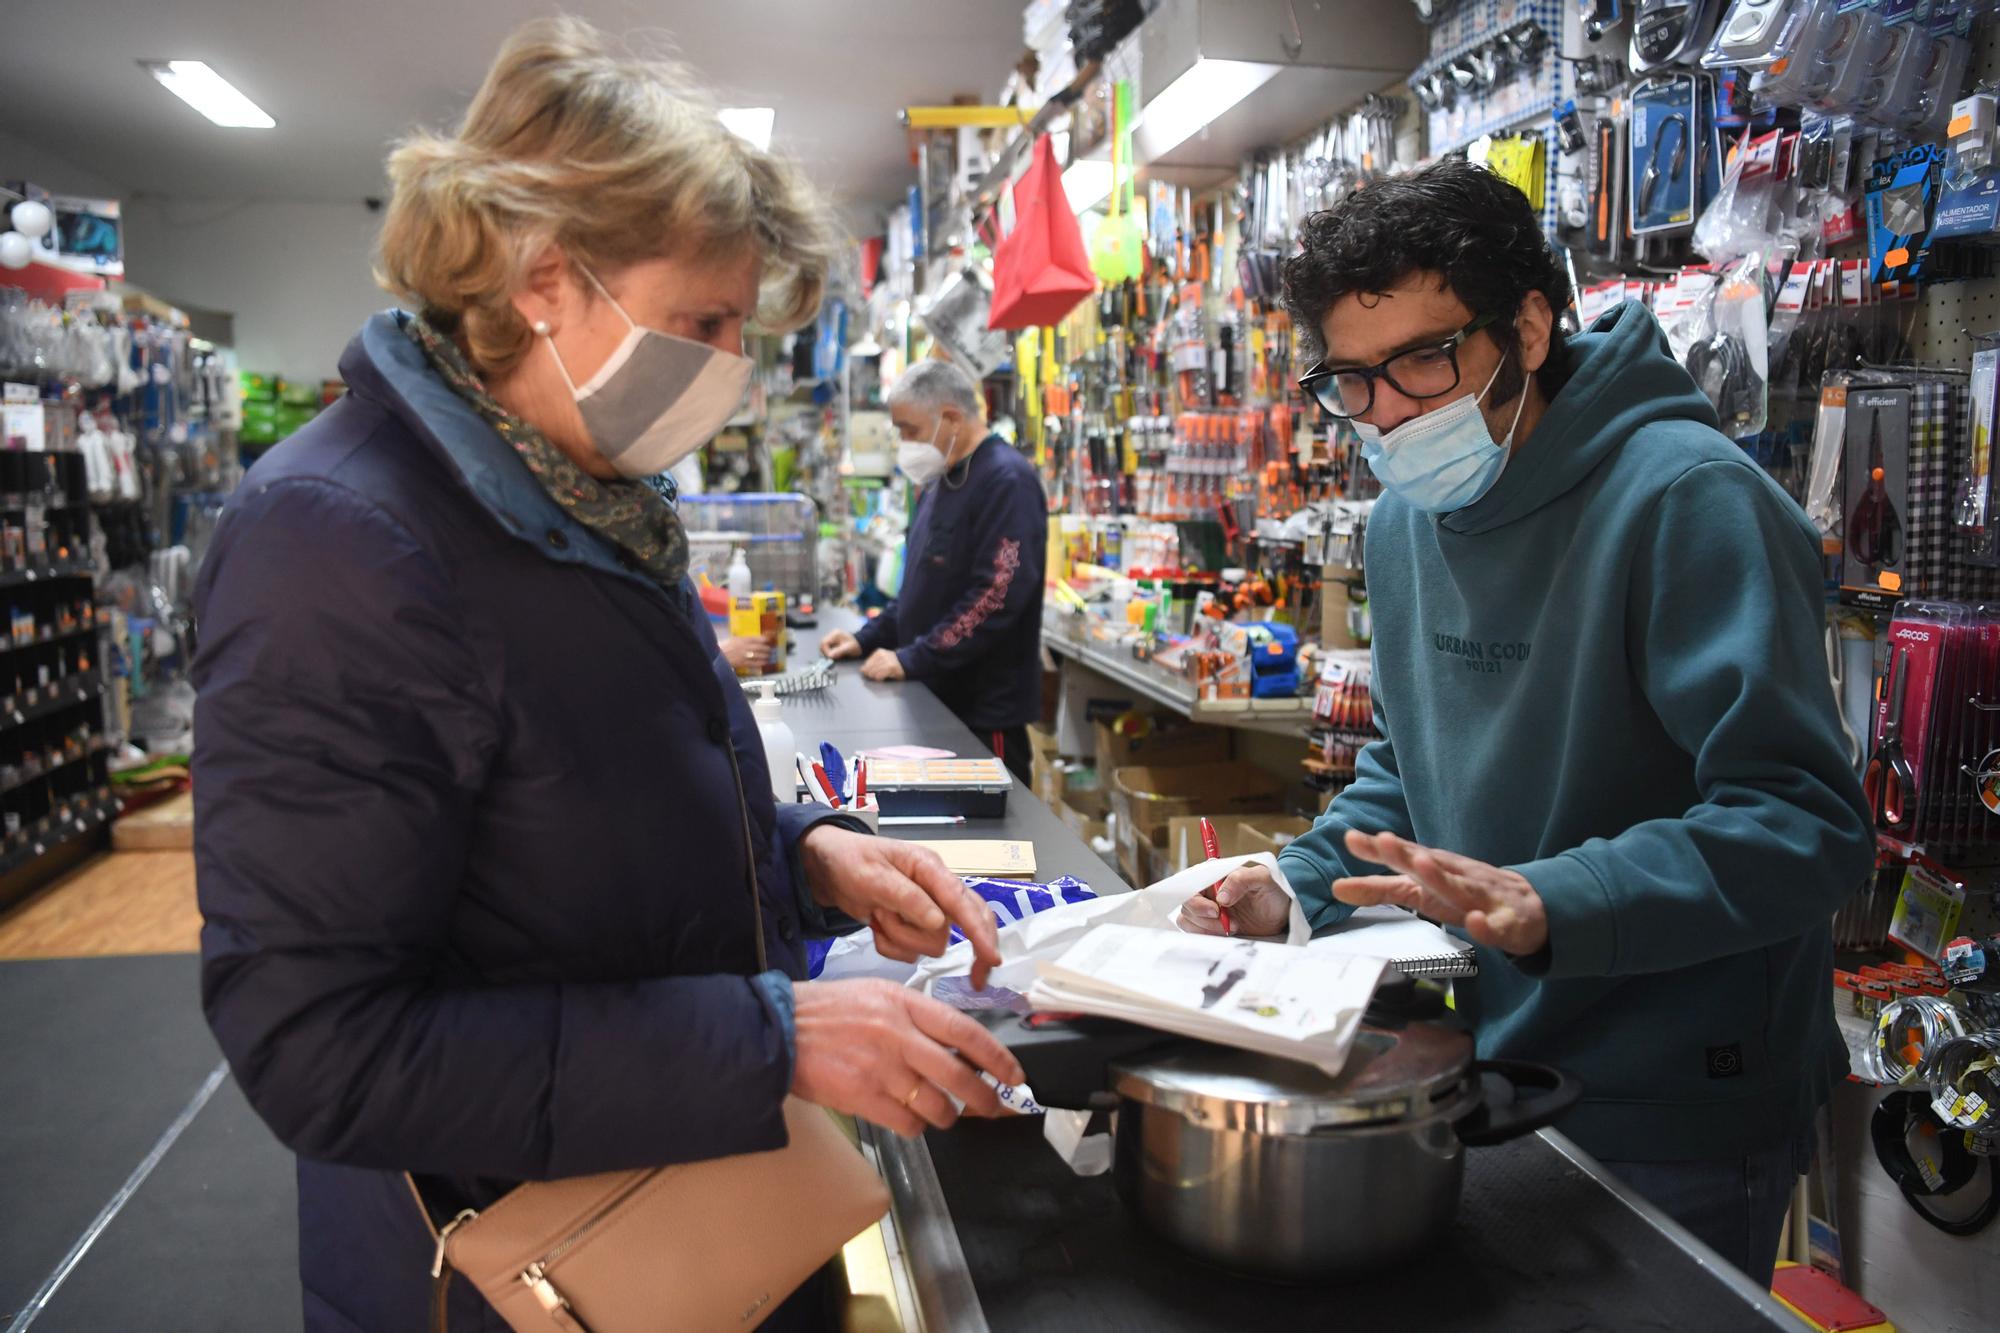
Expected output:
{"points": [[761, 615]]}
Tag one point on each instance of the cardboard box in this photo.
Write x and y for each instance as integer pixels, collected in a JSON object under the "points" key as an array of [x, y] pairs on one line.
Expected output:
{"points": [[1147, 800], [1240, 835], [1270, 833], [1048, 777], [1048, 782], [1041, 742], [1085, 810], [1168, 744]]}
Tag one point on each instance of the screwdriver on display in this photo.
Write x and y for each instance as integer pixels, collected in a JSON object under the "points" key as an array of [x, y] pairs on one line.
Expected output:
{"points": [[1211, 847]]}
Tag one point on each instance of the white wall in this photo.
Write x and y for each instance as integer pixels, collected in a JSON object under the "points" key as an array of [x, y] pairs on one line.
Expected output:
{"points": [[22, 159], [294, 273]]}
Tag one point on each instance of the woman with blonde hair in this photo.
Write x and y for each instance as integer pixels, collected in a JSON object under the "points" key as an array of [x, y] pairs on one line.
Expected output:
{"points": [[481, 812]]}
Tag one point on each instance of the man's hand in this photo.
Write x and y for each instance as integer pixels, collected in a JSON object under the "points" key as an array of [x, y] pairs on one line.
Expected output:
{"points": [[840, 645], [901, 890], [882, 665], [1257, 906], [1498, 908]]}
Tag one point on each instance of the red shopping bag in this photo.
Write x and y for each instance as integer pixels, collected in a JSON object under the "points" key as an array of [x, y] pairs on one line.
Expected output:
{"points": [[1041, 270]]}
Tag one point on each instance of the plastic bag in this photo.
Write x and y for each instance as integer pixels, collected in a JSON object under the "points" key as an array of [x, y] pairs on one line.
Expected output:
{"points": [[1742, 218], [1725, 343], [1011, 900]]}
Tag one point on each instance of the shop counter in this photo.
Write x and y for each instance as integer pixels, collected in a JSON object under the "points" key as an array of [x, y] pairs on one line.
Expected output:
{"points": [[989, 1229], [854, 714]]}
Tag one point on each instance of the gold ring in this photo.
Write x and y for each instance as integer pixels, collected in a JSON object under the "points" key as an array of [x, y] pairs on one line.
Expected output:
{"points": [[911, 1100]]}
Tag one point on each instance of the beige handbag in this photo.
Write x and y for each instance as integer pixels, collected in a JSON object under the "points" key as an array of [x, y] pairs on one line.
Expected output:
{"points": [[703, 1246]]}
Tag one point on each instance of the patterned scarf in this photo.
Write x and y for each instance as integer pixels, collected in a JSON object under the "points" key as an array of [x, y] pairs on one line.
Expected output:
{"points": [[632, 515]]}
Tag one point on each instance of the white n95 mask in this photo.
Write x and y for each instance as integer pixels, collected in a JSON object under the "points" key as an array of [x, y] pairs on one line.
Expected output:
{"points": [[658, 398], [922, 462]]}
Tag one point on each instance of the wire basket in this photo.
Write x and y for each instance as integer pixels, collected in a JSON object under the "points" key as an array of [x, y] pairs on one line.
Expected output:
{"points": [[778, 533]]}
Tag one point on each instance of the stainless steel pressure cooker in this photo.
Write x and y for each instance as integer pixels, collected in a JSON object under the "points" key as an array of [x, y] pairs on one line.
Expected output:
{"points": [[1272, 1168]]}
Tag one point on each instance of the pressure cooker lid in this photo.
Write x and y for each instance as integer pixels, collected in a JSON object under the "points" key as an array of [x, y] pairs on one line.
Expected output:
{"points": [[1407, 1074]]}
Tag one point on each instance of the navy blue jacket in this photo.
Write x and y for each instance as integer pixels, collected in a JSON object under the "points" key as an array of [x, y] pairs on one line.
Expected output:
{"points": [[967, 620], [469, 852]]}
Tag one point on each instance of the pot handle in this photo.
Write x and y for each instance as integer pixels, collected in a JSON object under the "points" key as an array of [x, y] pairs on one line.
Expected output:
{"points": [[1504, 1113]]}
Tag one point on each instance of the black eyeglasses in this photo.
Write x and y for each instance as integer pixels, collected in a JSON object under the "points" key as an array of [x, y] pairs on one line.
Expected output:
{"points": [[1421, 372]]}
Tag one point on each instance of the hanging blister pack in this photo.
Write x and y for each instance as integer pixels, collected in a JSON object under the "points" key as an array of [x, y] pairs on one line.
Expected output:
{"points": [[1876, 532], [1668, 32], [1978, 525], [1927, 108], [1902, 192], [1795, 75], [1757, 34], [1858, 46], [1670, 153]]}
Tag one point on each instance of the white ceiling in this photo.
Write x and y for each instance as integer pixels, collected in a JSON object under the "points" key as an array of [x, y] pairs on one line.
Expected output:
{"points": [[346, 78]]}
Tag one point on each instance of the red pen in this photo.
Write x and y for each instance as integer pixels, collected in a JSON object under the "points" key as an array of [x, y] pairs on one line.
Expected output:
{"points": [[860, 783], [1211, 846], [826, 785]]}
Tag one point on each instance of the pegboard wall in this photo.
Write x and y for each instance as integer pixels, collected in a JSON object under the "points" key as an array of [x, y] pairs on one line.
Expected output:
{"points": [[1952, 312]]}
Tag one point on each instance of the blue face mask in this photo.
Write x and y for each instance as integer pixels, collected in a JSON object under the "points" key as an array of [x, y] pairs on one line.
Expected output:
{"points": [[1442, 460]]}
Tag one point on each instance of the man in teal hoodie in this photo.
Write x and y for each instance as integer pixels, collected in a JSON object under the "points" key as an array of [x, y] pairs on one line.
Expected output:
{"points": [[1611, 756]]}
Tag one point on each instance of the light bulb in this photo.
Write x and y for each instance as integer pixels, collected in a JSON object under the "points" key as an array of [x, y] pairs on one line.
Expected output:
{"points": [[15, 250], [33, 219]]}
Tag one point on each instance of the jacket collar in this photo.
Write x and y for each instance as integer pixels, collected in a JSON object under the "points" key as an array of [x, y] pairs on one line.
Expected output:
{"points": [[383, 364]]}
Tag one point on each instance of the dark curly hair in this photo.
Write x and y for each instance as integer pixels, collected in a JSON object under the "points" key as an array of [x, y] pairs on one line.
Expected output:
{"points": [[1472, 228]]}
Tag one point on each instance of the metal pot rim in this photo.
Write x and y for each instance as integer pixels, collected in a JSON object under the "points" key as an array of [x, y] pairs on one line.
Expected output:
{"points": [[1401, 1078]]}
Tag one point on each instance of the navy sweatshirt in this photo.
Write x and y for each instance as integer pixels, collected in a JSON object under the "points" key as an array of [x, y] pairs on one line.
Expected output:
{"points": [[968, 619]]}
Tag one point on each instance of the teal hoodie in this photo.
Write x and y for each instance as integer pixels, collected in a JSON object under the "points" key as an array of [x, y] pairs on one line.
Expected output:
{"points": [[1608, 674]]}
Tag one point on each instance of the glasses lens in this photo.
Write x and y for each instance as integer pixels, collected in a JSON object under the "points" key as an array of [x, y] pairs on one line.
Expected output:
{"points": [[1342, 395], [1424, 373]]}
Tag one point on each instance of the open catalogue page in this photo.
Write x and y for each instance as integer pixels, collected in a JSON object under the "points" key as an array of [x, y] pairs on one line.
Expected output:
{"points": [[1261, 995]]}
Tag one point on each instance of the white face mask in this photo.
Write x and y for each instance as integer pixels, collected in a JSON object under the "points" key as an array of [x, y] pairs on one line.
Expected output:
{"points": [[658, 399], [923, 463]]}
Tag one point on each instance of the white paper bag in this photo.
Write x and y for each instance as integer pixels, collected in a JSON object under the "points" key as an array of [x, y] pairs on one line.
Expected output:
{"points": [[1046, 936]]}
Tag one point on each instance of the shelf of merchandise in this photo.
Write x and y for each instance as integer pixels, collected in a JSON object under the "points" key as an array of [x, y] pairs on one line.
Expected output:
{"points": [[1281, 717], [44, 571], [58, 788], [81, 817]]}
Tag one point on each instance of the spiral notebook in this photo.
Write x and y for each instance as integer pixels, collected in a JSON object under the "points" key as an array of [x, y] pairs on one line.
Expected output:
{"points": [[1414, 946]]}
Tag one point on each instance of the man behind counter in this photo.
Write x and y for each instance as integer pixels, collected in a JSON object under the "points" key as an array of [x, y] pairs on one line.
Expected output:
{"points": [[968, 618], [1611, 756]]}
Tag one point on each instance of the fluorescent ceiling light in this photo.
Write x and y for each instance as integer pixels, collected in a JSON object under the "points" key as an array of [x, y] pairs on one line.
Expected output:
{"points": [[209, 93], [1087, 183], [752, 124], [1196, 100]]}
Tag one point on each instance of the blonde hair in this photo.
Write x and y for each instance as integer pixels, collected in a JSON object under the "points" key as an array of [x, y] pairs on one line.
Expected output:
{"points": [[613, 158]]}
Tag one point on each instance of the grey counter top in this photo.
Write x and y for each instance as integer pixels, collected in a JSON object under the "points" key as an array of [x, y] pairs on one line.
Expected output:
{"points": [[854, 714], [996, 1233]]}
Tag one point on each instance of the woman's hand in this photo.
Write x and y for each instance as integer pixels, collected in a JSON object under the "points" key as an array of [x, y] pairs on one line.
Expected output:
{"points": [[1257, 906], [903, 891], [882, 1052], [746, 654], [882, 665], [840, 644]]}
